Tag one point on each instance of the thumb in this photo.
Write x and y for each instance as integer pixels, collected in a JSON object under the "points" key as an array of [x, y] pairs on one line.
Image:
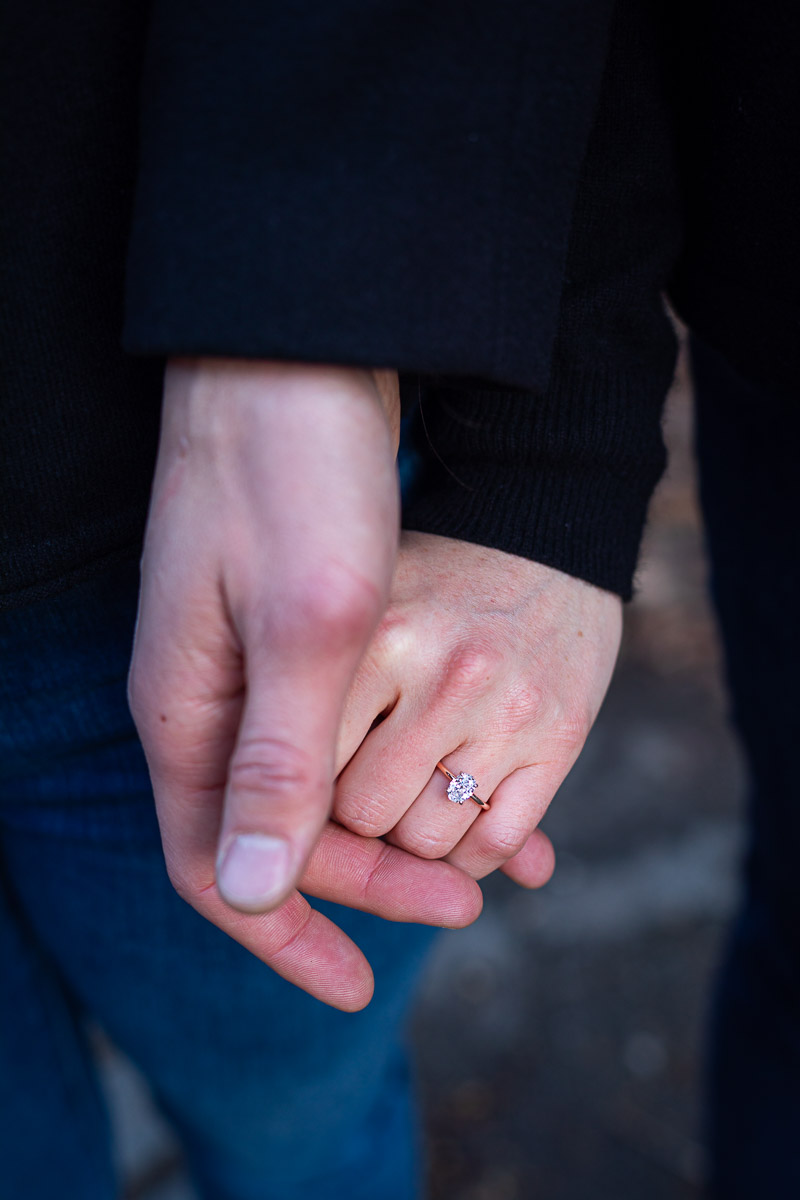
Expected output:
{"points": [[279, 786]]}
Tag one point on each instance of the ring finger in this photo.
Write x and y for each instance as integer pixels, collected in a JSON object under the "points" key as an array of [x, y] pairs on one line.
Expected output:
{"points": [[434, 824]]}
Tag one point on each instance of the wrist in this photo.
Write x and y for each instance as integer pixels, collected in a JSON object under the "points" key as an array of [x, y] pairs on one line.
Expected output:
{"points": [[219, 400]]}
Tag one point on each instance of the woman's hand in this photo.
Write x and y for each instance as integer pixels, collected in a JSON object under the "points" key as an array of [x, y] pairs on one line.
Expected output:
{"points": [[495, 666]]}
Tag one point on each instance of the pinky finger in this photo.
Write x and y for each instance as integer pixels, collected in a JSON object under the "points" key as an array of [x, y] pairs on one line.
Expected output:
{"points": [[533, 866]]}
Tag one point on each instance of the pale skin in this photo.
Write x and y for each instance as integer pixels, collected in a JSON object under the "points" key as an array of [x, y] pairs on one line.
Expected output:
{"points": [[494, 664], [277, 622]]}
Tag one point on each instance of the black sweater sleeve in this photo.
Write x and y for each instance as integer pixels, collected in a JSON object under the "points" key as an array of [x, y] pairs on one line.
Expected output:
{"points": [[564, 475], [435, 188]]}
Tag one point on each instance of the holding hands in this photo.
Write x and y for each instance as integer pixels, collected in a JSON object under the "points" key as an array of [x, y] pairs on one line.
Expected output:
{"points": [[268, 557], [288, 660], [493, 665]]}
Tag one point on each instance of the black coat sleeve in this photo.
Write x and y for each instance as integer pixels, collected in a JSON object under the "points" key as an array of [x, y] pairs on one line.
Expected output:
{"points": [[481, 195], [387, 184]]}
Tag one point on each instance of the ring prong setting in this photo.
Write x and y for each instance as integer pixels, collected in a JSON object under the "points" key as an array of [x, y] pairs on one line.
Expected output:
{"points": [[461, 788]]}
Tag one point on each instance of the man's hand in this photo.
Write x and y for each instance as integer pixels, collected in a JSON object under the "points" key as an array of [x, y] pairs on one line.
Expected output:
{"points": [[311, 952], [494, 665], [269, 550]]}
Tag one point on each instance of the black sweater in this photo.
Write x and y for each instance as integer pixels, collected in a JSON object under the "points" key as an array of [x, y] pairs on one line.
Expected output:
{"points": [[485, 196]]}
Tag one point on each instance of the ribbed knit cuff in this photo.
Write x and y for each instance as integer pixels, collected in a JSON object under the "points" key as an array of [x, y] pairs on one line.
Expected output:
{"points": [[563, 479]]}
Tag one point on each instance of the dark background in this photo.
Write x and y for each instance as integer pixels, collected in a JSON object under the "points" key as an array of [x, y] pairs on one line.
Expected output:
{"points": [[559, 1039]]}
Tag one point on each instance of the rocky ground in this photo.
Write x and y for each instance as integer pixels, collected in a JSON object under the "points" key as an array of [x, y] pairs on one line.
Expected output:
{"points": [[559, 1039]]}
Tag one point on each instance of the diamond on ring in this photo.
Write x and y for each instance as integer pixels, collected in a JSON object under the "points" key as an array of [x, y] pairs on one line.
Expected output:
{"points": [[461, 788]]}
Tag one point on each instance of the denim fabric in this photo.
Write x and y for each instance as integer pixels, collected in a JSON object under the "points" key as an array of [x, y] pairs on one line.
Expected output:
{"points": [[749, 486], [274, 1095]]}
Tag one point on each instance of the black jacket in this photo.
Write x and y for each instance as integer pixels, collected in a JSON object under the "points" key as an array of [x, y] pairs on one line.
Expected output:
{"points": [[489, 197]]}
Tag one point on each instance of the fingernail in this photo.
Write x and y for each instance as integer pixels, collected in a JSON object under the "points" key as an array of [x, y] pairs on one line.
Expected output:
{"points": [[252, 870]]}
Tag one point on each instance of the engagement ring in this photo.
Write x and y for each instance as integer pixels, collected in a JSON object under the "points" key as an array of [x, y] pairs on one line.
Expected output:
{"points": [[462, 787]]}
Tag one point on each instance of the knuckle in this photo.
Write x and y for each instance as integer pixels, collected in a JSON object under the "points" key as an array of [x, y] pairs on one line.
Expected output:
{"points": [[571, 728], [360, 814], [425, 845], [470, 669], [504, 841], [336, 601], [271, 765], [375, 871], [522, 706], [394, 639], [322, 611]]}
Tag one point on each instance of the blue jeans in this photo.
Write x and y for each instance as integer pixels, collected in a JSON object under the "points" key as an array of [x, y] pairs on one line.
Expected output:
{"points": [[273, 1095]]}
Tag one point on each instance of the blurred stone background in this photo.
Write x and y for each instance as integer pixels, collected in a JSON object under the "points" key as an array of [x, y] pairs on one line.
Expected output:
{"points": [[559, 1040]]}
